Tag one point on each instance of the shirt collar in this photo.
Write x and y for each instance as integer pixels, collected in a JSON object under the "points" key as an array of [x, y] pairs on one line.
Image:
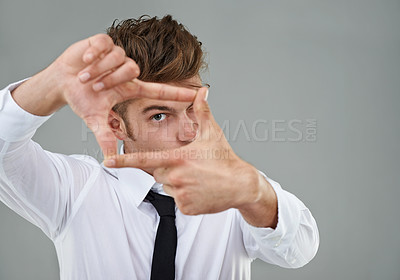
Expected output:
{"points": [[136, 180]]}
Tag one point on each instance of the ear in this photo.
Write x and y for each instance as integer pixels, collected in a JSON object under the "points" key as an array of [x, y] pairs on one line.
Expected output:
{"points": [[117, 125]]}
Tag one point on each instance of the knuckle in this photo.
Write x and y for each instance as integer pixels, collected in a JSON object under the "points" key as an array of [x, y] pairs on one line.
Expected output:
{"points": [[169, 190], [183, 196], [206, 108], [141, 160], [99, 35], [176, 160], [108, 81], [132, 69], [120, 161], [163, 92], [174, 179], [184, 159], [198, 107], [183, 202], [116, 57], [103, 40], [120, 50], [91, 70], [158, 174], [139, 89]]}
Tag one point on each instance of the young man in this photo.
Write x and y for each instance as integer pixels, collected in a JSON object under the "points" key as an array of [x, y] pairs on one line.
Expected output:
{"points": [[141, 84]]}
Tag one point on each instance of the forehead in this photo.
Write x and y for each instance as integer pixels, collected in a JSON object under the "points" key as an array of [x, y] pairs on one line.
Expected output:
{"points": [[194, 82]]}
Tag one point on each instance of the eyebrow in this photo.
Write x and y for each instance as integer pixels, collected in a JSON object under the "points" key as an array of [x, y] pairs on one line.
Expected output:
{"points": [[157, 107]]}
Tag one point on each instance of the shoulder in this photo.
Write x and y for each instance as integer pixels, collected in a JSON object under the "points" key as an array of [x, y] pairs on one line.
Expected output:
{"points": [[94, 163], [86, 159]]}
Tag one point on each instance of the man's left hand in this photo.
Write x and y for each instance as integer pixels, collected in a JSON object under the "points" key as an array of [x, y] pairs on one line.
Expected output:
{"points": [[206, 176]]}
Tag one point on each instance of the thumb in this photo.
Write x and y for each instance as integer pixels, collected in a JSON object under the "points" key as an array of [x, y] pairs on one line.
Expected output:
{"points": [[203, 114], [200, 106], [208, 127]]}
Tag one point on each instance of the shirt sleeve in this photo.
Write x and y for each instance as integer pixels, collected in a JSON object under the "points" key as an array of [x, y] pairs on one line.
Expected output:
{"points": [[39, 185], [295, 240]]}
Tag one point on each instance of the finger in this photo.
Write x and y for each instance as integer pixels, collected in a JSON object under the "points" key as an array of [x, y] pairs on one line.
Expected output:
{"points": [[110, 62], [202, 112], [104, 135], [123, 74], [161, 175], [144, 160], [169, 189], [99, 45], [138, 88]]}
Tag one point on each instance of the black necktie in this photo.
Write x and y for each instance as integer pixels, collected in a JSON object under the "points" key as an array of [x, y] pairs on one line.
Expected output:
{"points": [[163, 266]]}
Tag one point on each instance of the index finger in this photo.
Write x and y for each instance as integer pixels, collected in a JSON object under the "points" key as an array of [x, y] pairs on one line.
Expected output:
{"points": [[138, 88], [143, 160], [99, 44]]}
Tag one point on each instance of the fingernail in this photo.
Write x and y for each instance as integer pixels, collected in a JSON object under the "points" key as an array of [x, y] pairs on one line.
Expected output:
{"points": [[88, 57], [84, 77], [98, 86], [109, 162], [206, 96]]}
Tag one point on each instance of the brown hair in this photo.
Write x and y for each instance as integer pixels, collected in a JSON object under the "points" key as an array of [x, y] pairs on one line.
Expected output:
{"points": [[164, 49]]}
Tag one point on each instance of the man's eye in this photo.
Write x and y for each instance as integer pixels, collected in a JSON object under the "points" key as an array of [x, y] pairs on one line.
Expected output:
{"points": [[159, 117]]}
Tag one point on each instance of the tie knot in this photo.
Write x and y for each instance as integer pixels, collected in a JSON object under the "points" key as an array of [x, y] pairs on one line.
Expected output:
{"points": [[165, 205]]}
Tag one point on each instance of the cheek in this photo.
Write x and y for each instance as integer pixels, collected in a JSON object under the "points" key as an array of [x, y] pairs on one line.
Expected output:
{"points": [[157, 136]]}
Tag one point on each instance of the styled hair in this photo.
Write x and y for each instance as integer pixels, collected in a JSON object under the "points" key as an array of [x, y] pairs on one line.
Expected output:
{"points": [[164, 50]]}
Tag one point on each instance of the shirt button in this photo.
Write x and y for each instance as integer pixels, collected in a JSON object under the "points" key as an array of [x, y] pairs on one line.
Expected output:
{"points": [[278, 243]]}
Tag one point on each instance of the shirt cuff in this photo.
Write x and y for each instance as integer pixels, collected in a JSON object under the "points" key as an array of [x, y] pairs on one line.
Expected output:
{"points": [[16, 123], [289, 212]]}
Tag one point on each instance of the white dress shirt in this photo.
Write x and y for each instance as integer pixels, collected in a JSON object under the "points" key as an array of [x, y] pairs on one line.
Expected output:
{"points": [[103, 229]]}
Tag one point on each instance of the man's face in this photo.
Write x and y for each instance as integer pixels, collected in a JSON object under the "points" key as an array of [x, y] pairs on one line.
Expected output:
{"points": [[157, 125]]}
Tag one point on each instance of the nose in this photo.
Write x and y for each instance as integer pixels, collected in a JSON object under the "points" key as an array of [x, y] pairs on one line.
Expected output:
{"points": [[187, 131]]}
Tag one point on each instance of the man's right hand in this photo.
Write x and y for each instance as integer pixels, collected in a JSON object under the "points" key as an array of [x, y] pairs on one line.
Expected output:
{"points": [[91, 76]]}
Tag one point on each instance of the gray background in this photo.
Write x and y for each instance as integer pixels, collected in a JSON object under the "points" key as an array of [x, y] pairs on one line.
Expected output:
{"points": [[282, 65]]}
